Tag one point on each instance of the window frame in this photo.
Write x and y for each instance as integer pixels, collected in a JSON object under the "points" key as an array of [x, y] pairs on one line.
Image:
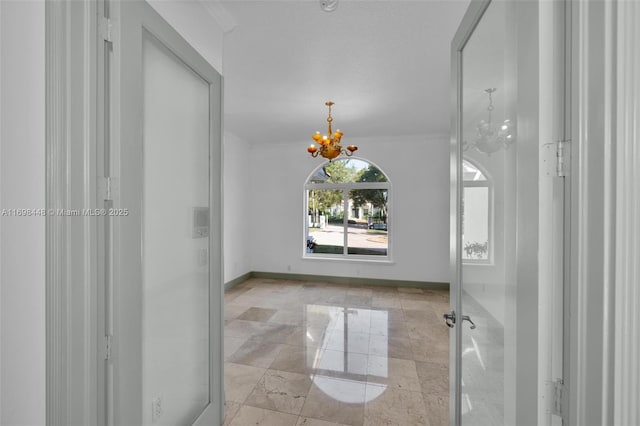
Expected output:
{"points": [[345, 187]]}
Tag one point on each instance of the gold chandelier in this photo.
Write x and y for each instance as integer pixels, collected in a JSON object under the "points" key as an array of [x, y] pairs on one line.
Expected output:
{"points": [[330, 143]]}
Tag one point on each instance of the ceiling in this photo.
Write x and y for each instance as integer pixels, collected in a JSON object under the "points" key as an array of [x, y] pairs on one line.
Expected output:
{"points": [[385, 64]]}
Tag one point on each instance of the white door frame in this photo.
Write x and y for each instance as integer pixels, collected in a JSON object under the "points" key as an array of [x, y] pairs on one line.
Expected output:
{"points": [[76, 347], [132, 19], [72, 342]]}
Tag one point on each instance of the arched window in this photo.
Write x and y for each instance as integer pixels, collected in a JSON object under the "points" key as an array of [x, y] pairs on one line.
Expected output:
{"points": [[476, 215], [347, 210]]}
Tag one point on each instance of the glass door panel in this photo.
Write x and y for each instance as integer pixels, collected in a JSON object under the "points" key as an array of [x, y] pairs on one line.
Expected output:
{"points": [[175, 238], [507, 214], [488, 205]]}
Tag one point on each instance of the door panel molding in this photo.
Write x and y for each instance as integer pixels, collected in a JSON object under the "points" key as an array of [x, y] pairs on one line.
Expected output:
{"points": [[627, 304], [593, 198], [71, 241]]}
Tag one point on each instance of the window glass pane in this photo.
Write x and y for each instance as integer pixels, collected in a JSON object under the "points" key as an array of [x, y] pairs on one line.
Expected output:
{"points": [[325, 212], [347, 171], [475, 223], [364, 219], [368, 234]]}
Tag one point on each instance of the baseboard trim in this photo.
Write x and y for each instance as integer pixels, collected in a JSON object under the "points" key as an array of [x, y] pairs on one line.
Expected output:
{"points": [[238, 280], [338, 280]]}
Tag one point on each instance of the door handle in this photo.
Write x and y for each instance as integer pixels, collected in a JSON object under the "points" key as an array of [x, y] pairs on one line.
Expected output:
{"points": [[450, 319], [466, 318]]}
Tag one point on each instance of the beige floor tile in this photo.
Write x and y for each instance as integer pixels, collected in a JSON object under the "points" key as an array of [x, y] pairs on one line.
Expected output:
{"points": [[297, 359], [358, 300], [240, 380], [434, 377], [350, 365], [350, 342], [402, 371], [430, 349], [289, 317], [428, 329], [335, 400], [232, 310], [230, 410], [242, 328], [359, 291], [248, 415], [256, 352], [437, 407], [394, 407], [257, 314], [413, 304], [394, 373], [385, 302], [280, 391], [417, 315], [277, 333], [400, 348], [307, 336], [232, 294], [410, 290], [231, 344]]}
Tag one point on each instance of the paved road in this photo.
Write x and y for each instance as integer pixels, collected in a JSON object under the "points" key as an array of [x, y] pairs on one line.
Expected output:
{"points": [[358, 237]]}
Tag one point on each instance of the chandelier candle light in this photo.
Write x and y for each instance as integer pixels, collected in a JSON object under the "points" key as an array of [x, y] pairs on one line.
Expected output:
{"points": [[330, 143]]}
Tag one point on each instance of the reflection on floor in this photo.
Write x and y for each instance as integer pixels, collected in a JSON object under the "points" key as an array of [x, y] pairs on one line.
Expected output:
{"points": [[317, 354]]}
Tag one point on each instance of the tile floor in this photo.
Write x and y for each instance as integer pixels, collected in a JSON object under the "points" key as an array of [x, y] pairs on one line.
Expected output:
{"points": [[319, 354]]}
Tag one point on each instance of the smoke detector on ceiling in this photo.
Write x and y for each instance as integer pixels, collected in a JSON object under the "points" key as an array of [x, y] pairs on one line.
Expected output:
{"points": [[328, 5]]}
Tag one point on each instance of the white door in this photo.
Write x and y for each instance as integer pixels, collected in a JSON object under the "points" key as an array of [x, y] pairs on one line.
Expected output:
{"points": [[165, 161], [507, 215]]}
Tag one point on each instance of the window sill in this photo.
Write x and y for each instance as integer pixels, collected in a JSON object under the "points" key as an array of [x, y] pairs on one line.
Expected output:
{"points": [[350, 259]]}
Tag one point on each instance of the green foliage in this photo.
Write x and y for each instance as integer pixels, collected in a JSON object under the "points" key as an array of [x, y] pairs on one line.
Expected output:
{"points": [[341, 171], [347, 171], [321, 200], [371, 174], [376, 197]]}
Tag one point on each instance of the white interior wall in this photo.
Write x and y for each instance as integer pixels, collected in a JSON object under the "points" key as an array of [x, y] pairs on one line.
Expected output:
{"points": [[22, 185], [239, 211], [196, 25], [418, 170]]}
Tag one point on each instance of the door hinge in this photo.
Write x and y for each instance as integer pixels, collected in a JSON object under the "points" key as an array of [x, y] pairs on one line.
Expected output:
{"points": [[557, 396], [108, 188], [561, 158], [105, 28], [107, 346]]}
